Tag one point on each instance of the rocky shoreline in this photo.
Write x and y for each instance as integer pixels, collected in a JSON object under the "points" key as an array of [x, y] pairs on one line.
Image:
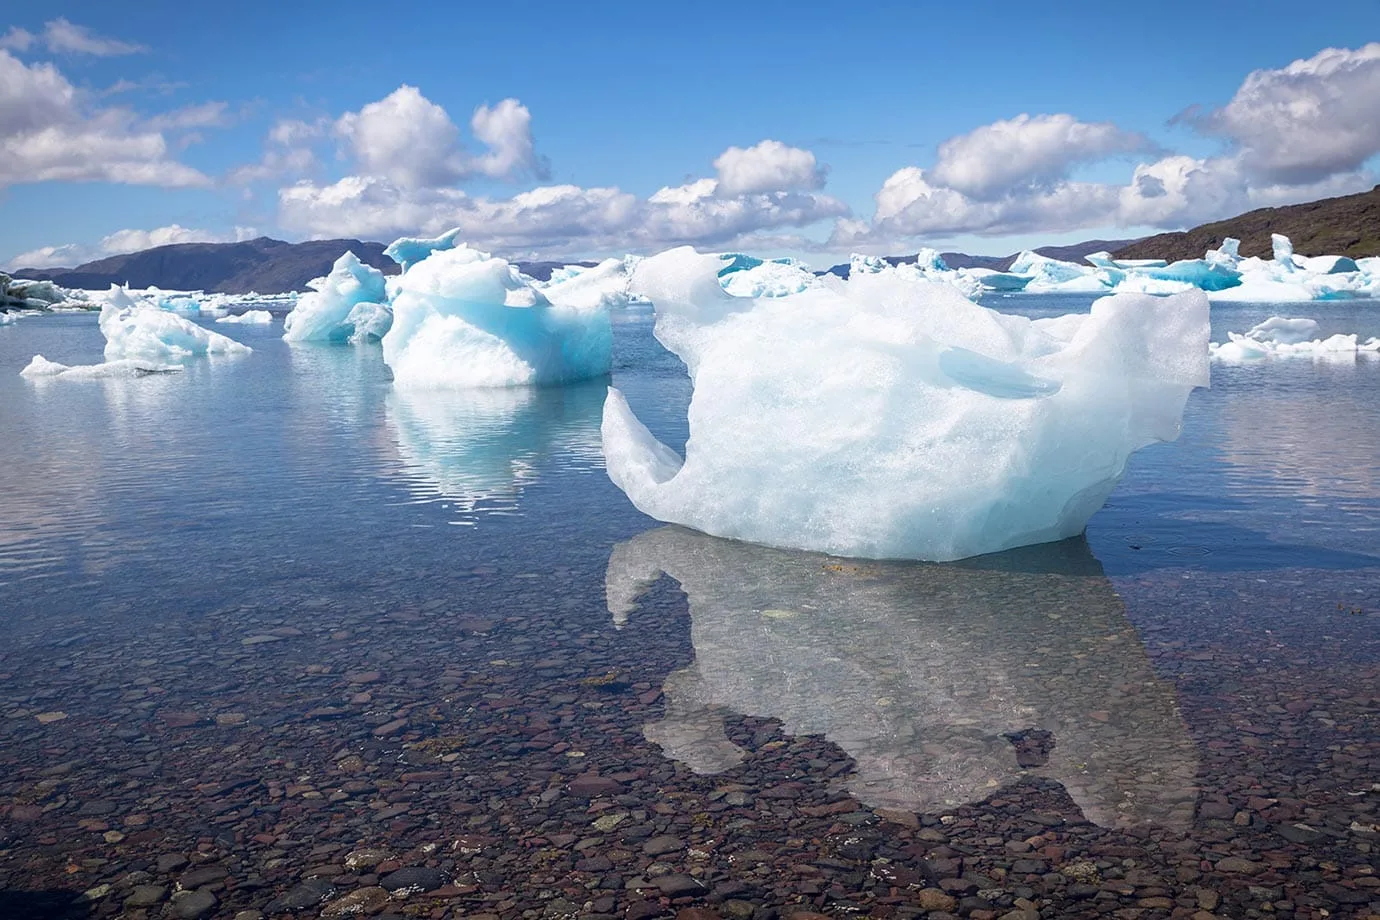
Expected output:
{"points": [[428, 761]]}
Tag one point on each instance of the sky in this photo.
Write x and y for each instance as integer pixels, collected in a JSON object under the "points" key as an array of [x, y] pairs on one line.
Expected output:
{"points": [[560, 131]]}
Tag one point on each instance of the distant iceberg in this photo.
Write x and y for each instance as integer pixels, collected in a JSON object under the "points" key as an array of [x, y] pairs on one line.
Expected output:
{"points": [[248, 318], [462, 318], [331, 312], [1222, 273], [40, 368], [605, 286], [138, 330], [889, 418], [1284, 337]]}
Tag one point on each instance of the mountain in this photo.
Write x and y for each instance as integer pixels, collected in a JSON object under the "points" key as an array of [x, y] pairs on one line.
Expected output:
{"points": [[1073, 252], [265, 265], [1345, 226]]}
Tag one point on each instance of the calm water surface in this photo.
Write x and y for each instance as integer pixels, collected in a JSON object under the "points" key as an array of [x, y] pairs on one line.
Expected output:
{"points": [[195, 566]]}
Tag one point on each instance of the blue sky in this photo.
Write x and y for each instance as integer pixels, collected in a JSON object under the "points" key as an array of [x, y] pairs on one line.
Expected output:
{"points": [[612, 127]]}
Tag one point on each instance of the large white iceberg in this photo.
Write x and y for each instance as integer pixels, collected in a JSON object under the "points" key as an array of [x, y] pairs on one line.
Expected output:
{"points": [[330, 312], [462, 318], [139, 330], [942, 683], [882, 417]]}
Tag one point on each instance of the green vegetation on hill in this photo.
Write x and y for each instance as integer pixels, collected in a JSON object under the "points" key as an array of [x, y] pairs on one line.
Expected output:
{"points": [[1346, 226]]}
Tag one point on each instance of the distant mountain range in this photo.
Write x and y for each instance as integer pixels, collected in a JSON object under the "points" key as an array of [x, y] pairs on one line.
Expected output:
{"points": [[1349, 225], [264, 265], [1346, 226]]}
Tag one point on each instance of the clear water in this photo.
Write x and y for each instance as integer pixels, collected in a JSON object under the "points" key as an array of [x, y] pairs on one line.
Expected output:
{"points": [[222, 540]]}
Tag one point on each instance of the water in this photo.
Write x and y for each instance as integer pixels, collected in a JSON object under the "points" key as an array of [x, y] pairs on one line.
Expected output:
{"points": [[264, 567]]}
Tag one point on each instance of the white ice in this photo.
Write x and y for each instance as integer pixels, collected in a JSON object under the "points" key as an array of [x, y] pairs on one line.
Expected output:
{"points": [[1285, 278], [1285, 337], [887, 418], [144, 332], [324, 313], [40, 367], [408, 250], [769, 279], [249, 317], [462, 318], [603, 286]]}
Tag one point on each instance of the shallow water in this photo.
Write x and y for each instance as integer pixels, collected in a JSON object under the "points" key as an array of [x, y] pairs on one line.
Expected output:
{"points": [[218, 586]]}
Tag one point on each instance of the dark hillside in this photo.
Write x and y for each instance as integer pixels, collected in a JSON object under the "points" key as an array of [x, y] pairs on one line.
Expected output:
{"points": [[1346, 226]]}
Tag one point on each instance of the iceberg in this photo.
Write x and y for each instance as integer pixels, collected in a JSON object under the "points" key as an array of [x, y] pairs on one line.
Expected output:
{"points": [[19, 294], [140, 331], [603, 286], [1054, 276], [323, 314], [1222, 273], [942, 683], [462, 318], [768, 279], [40, 367], [993, 280], [887, 418], [369, 322], [1282, 337], [249, 317], [408, 250]]}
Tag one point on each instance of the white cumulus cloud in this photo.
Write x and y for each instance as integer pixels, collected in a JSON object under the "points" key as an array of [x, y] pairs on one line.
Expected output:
{"points": [[552, 220], [1302, 123], [1040, 150], [506, 129], [405, 138], [768, 166], [1299, 133], [48, 133]]}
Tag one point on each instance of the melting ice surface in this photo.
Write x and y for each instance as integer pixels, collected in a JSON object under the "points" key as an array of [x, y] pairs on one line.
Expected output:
{"points": [[928, 676], [887, 417], [462, 318]]}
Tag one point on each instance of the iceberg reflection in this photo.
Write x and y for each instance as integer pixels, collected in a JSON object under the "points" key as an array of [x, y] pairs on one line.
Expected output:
{"points": [[478, 449], [942, 682]]}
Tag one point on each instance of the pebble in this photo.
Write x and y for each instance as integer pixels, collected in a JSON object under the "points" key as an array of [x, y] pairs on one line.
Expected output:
{"points": [[193, 905], [414, 878]]}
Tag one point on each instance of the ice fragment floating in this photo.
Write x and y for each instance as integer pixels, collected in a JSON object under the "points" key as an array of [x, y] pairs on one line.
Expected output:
{"points": [[347, 305], [890, 417], [462, 318]]}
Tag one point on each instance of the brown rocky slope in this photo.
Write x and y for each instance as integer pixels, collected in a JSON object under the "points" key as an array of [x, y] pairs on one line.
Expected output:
{"points": [[1348, 226]]}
